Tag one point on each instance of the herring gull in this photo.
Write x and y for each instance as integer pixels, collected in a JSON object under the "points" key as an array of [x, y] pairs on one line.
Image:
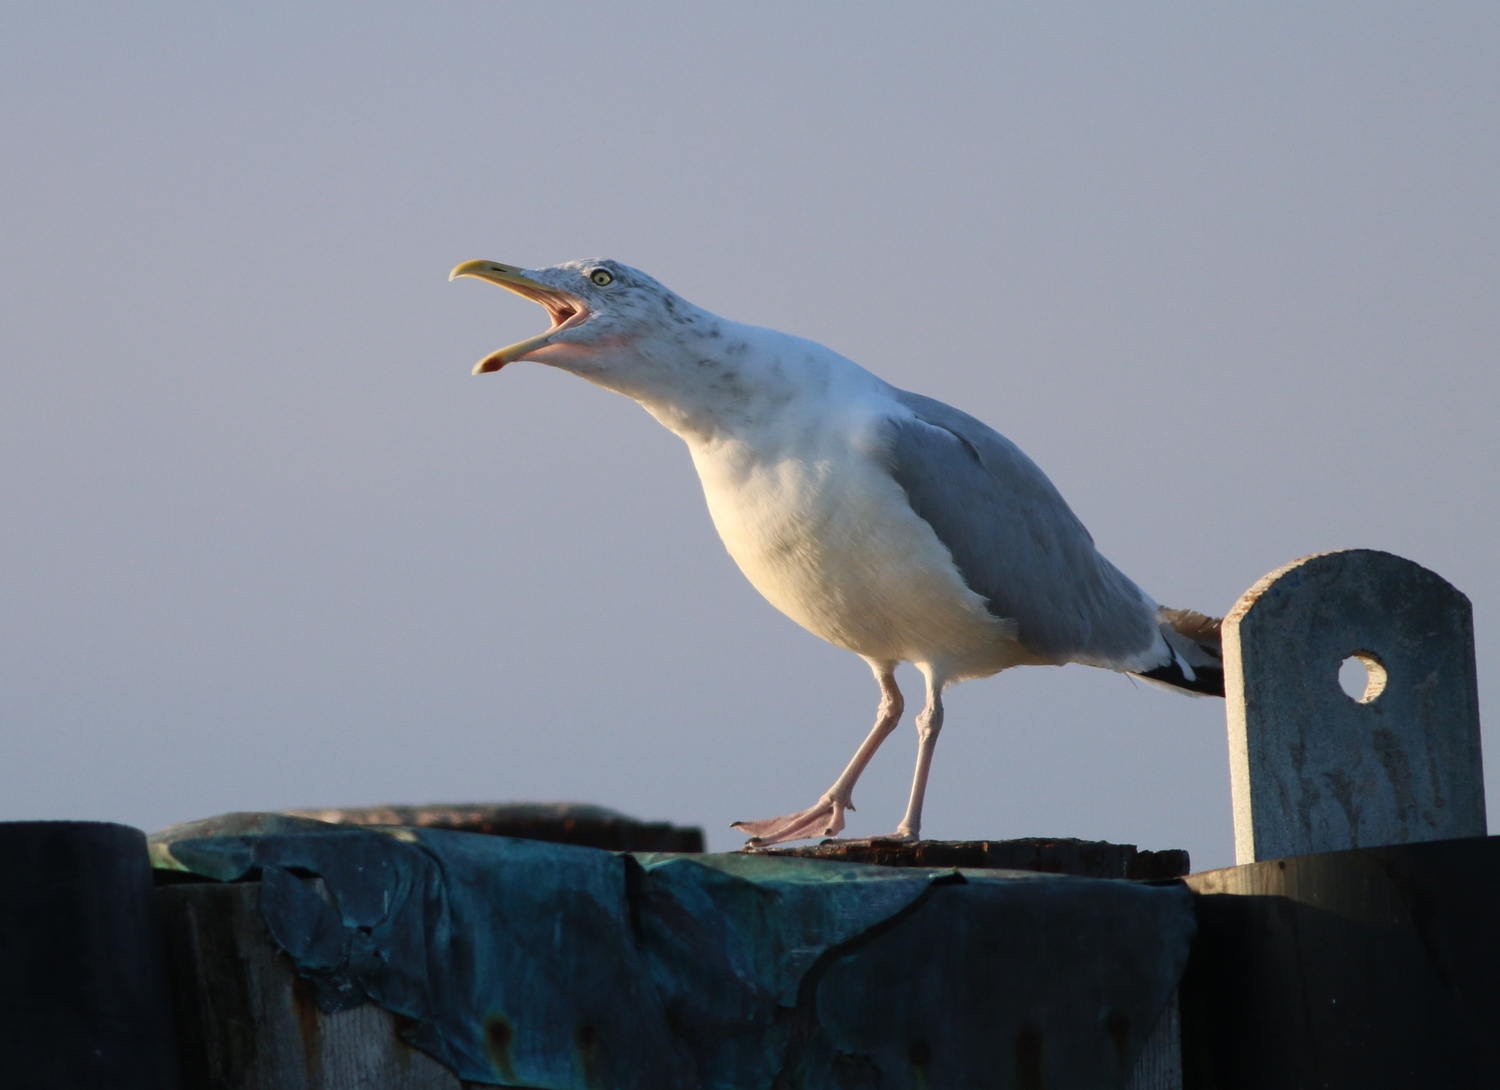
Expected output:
{"points": [[885, 522]]}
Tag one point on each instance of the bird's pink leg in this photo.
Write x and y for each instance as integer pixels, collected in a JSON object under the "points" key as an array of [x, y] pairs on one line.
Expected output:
{"points": [[929, 723], [826, 818]]}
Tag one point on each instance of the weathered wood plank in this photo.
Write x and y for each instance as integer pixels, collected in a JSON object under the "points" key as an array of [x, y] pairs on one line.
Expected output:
{"points": [[555, 823], [1160, 1063], [246, 1022], [83, 998], [1376, 969], [1314, 770], [1045, 855]]}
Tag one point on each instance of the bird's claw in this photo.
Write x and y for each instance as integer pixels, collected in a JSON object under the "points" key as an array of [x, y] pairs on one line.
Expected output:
{"points": [[824, 819]]}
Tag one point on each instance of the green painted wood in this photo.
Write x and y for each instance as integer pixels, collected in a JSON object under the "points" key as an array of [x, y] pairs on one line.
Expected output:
{"points": [[246, 1022], [559, 967]]}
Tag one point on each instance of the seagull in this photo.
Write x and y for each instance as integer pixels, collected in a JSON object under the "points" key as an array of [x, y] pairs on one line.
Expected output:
{"points": [[885, 522]]}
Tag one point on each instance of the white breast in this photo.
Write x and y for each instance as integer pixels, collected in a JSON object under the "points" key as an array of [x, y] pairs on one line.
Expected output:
{"points": [[823, 531]]}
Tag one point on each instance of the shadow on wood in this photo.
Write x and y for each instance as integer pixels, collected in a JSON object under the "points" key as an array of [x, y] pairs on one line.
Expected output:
{"points": [[83, 997], [1376, 969]]}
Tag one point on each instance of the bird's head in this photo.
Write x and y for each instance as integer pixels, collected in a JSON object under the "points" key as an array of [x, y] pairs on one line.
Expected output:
{"points": [[601, 310]]}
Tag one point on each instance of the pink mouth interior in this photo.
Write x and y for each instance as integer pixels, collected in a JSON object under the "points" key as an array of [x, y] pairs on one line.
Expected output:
{"points": [[566, 310]]}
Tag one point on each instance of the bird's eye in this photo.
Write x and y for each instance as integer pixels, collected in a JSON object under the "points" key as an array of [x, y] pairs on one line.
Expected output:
{"points": [[601, 277]]}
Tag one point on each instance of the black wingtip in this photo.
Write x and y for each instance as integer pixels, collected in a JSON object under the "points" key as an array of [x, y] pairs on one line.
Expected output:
{"points": [[1206, 680]]}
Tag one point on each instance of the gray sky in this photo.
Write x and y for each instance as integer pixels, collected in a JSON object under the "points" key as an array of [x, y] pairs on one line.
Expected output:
{"points": [[1228, 274]]}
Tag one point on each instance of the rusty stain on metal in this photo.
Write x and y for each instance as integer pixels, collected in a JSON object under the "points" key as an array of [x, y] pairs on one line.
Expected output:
{"points": [[498, 1035], [586, 1039], [309, 1025]]}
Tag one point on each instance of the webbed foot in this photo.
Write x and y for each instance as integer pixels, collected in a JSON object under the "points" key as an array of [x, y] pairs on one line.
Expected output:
{"points": [[824, 819]]}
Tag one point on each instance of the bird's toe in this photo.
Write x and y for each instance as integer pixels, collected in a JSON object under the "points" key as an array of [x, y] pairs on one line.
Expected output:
{"points": [[824, 819]]}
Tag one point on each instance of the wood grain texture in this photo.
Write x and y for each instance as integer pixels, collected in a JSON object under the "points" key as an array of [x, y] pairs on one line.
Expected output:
{"points": [[1315, 770], [1044, 855], [1160, 1063], [246, 1022]]}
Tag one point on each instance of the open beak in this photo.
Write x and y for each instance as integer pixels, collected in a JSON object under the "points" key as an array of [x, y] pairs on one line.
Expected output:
{"points": [[567, 310]]}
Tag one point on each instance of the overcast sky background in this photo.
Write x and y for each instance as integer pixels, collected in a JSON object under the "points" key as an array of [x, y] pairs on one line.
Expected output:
{"points": [[1228, 274]]}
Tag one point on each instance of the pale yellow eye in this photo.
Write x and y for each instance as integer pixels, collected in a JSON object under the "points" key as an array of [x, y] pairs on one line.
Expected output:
{"points": [[601, 277]]}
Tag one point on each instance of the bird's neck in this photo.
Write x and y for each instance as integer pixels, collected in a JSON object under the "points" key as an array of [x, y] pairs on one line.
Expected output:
{"points": [[712, 380]]}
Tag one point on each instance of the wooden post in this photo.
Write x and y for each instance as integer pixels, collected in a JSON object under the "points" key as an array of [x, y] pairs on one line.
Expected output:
{"points": [[553, 822], [1045, 855], [83, 997], [1376, 969], [1160, 1064], [1354, 947], [247, 1022], [1315, 770]]}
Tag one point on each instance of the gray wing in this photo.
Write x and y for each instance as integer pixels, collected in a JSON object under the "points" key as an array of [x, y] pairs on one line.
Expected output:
{"points": [[1015, 540]]}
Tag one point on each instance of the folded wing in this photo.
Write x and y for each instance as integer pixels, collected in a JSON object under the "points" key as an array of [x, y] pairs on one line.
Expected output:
{"points": [[1017, 544]]}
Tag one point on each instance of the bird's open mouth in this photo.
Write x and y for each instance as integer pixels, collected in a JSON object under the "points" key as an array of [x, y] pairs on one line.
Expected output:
{"points": [[566, 310]]}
